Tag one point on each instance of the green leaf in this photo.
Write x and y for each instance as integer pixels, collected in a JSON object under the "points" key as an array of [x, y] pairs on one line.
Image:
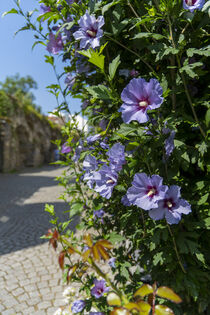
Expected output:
{"points": [[65, 224], [151, 35], [76, 207], [203, 199], [36, 43], [201, 258], [144, 290], [163, 310], [113, 67], [207, 117], [127, 129], [204, 51], [115, 238], [99, 92], [95, 56], [189, 69], [158, 259], [109, 5], [169, 294], [14, 11], [49, 59], [50, 209]]}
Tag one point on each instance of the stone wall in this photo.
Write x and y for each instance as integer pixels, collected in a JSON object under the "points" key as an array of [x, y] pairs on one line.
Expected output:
{"points": [[26, 140]]}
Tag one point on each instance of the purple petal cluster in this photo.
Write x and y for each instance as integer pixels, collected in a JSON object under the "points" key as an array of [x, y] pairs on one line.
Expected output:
{"points": [[44, 9], [139, 96], [78, 150], [90, 163], [111, 262], [116, 156], [107, 179], [162, 201], [99, 214], [96, 313], [169, 144], [77, 306], [146, 191], [55, 44], [92, 139], [193, 4], [99, 289], [65, 148], [90, 31], [70, 81], [171, 206]]}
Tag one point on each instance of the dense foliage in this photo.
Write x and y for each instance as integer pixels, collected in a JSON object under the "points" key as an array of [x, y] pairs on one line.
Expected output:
{"points": [[15, 93], [141, 189]]}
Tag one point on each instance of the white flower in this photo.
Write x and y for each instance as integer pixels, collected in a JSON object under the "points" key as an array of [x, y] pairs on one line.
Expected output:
{"points": [[68, 292]]}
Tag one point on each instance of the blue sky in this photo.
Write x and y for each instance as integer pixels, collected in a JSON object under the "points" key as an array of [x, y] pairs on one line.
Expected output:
{"points": [[16, 56]]}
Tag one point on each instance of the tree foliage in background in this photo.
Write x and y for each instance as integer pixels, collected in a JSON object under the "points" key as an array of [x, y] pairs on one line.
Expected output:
{"points": [[111, 50], [15, 92]]}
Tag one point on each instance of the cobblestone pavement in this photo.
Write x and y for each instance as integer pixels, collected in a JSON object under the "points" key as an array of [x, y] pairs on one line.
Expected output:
{"points": [[30, 279]]}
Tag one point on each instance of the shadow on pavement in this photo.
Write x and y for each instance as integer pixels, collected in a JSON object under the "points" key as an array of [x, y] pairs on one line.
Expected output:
{"points": [[23, 197], [27, 223]]}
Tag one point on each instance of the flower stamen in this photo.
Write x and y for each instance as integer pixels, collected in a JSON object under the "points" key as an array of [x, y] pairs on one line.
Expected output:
{"points": [[91, 33], [151, 192], [143, 104]]}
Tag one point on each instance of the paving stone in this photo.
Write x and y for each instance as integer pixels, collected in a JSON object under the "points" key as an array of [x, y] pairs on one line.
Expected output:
{"points": [[17, 292], [8, 312], [51, 310], [23, 297], [30, 278], [44, 305]]}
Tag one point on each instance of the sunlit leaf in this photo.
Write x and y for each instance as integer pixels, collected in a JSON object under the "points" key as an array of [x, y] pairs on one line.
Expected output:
{"points": [[88, 240], [144, 307], [163, 310], [105, 244], [169, 294], [102, 252], [113, 299], [132, 306], [120, 311], [144, 290], [86, 254], [61, 259]]}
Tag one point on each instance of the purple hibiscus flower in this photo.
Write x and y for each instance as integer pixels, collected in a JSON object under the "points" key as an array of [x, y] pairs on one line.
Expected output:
{"points": [[92, 139], [99, 214], [90, 31], [169, 144], [99, 289], [193, 4], [90, 163], [134, 73], [146, 191], [107, 179], [65, 148], [103, 124], [55, 44], [111, 262], [44, 9], [139, 96], [91, 178], [78, 150], [117, 156], [70, 81], [125, 201], [171, 206], [77, 306]]}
